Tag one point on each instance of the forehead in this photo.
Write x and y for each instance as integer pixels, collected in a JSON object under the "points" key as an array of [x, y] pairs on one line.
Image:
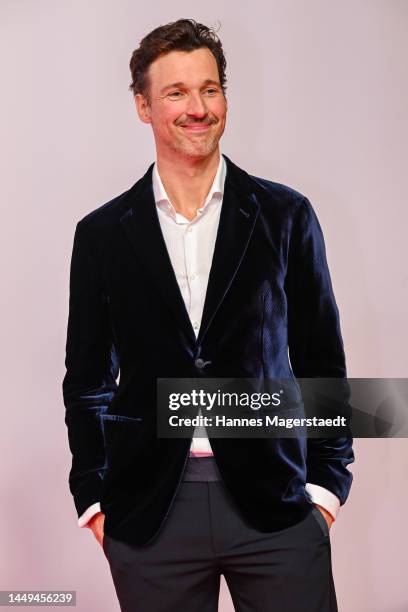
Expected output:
{"points": [[191, 67]]}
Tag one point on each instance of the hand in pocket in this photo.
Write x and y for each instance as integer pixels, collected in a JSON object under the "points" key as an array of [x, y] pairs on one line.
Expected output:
{"points": [[328, 517], [96, 524]]}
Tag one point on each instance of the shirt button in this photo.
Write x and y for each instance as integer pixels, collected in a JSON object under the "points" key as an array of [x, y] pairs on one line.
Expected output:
{"points": [[192, 277], [189, 229]]}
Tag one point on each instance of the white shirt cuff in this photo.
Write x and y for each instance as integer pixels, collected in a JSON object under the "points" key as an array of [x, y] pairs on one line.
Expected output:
{"points": [[323, 497], [88, 514]]}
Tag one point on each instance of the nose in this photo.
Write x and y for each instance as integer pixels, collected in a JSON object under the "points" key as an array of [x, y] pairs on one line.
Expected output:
{"points": [[196, 105]]}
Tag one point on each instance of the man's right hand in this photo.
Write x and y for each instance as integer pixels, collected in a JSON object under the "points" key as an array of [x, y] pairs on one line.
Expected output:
{"points": [[96, 524]]}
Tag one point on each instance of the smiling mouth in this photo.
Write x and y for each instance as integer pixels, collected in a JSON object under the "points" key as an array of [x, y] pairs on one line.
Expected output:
{"points": [[197, 128]]}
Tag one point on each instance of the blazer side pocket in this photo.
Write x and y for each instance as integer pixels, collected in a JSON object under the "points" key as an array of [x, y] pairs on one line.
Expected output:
{"points": [[121, 434]]}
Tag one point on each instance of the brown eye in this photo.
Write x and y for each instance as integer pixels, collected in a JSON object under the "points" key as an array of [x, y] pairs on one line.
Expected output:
{"points": [[175, 94]]}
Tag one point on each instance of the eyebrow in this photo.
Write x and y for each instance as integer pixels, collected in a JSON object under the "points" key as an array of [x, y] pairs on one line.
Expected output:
{"points": [[181, 84]]}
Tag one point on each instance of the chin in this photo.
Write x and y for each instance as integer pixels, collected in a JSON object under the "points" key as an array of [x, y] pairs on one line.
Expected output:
{"points": [[197, 149]]}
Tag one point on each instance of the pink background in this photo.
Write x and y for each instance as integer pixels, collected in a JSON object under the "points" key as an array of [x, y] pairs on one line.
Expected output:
{"points": [[324, 109]]}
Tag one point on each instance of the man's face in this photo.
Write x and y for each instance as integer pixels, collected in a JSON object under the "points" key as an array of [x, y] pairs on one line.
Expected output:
{"points": [[188, 108]]}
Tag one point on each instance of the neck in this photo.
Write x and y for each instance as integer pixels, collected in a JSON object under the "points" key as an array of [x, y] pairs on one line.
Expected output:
{"points": [[187, 183]]}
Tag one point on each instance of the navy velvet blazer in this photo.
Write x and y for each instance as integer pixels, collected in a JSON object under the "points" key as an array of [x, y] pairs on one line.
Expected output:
{"points": [[269, 289]]}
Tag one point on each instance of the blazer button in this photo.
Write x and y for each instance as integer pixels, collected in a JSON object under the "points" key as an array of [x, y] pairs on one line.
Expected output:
{"points": [[200, 363]]}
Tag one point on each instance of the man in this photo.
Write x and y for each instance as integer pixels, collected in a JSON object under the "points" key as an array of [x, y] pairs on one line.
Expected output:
{"points": [[200, 270]]}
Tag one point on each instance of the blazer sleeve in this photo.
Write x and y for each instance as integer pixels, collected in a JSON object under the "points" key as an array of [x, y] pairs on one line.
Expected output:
{"points": [[315, 342], [92, 367]]}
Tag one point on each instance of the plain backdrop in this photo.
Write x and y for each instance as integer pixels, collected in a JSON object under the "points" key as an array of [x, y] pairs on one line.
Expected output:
{"points": [[317, 94]]}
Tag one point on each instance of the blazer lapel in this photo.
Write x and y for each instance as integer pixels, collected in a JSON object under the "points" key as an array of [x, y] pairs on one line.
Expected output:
{"points": [[141, 225], [240, 209]]}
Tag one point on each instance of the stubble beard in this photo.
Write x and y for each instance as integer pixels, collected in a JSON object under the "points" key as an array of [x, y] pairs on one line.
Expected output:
{"points": [[196, 147]]}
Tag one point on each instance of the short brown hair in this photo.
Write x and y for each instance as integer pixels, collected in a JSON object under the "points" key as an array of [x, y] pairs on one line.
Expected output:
{"points": [[180, 35]]}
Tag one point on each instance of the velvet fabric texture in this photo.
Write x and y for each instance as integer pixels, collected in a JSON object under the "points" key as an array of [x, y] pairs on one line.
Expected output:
{"points": [[269, 289]]}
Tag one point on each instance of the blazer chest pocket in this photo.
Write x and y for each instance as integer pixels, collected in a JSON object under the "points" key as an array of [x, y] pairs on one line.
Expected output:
{"points": [[121, 436]]}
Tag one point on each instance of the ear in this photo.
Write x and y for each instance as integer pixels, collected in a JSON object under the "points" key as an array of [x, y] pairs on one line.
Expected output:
{"points": [[143, 108]]}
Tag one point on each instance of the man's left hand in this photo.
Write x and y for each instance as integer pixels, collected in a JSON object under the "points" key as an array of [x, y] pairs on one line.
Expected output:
{"points": [[326, 514]]}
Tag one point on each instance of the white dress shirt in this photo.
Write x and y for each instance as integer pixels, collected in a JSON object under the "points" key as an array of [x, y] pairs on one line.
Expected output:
{"points": [[190, 245]]}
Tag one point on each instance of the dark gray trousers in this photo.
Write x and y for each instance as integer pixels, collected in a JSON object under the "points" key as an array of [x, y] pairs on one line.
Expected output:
{"points": [[203, 537]]}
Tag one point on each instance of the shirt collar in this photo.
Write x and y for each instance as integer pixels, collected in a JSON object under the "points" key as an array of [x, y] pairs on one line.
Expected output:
{"points": [[162, 200]]}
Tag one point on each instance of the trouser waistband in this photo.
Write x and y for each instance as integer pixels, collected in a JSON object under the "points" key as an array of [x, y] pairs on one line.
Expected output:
{"points": [[201, 469]]}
